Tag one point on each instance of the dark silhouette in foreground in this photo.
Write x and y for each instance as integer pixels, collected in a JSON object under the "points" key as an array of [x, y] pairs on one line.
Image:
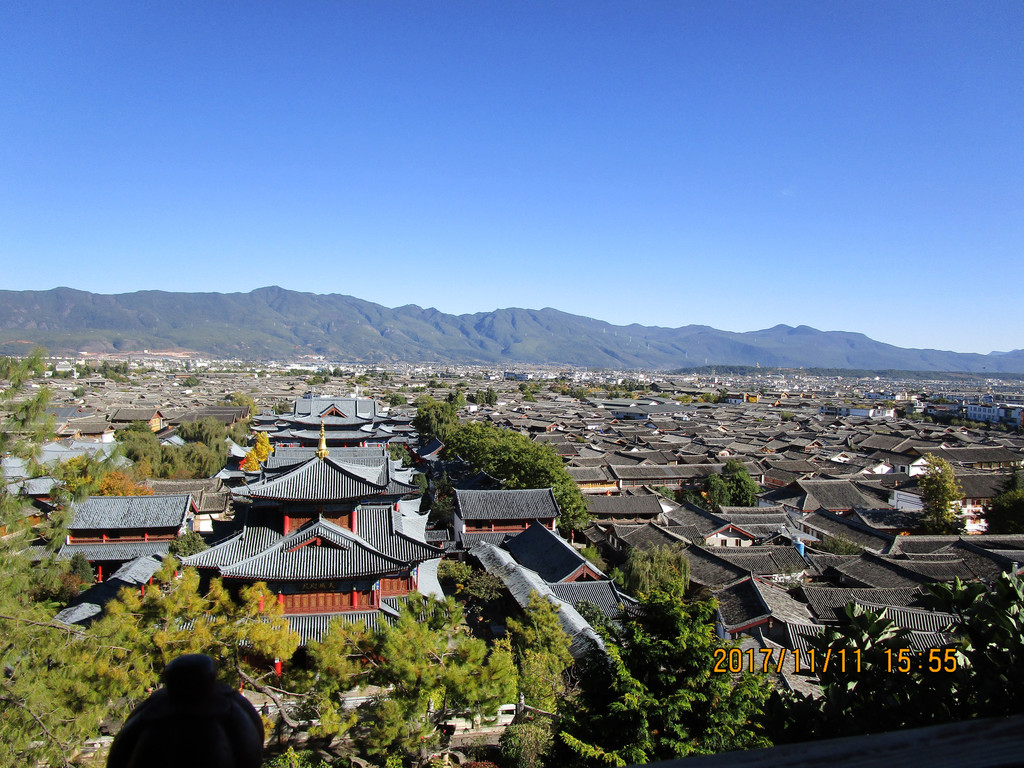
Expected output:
{"points": [[194, 721]]}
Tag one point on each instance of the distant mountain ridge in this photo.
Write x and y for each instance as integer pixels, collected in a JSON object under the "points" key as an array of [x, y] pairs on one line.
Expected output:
{"points": [[274, 323]]}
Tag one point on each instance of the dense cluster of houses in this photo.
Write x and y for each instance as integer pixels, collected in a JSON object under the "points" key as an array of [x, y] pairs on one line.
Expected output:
{"points": [[332, 523]]}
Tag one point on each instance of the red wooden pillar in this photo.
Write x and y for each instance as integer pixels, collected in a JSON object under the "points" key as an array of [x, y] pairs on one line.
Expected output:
{"points": [[277, 667], [99, 573]]}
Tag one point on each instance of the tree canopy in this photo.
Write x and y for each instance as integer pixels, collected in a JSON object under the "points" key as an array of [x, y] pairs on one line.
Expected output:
{"points": [[940, 494], [656, 696], [434, 418], [520, 463]]}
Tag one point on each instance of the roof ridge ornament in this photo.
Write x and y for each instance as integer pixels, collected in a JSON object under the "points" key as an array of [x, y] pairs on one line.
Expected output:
{"points": [[321, 450]]}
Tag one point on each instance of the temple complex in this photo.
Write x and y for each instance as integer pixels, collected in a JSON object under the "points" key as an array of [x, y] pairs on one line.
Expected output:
{"points": [[334, 532], [347, 422]]}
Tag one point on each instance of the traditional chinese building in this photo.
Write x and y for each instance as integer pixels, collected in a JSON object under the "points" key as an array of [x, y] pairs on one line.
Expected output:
{"points": [[494, 516], [113, 530], [333, 533], [347, 422]]}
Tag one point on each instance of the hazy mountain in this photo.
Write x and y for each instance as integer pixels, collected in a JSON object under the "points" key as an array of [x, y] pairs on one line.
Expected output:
{"points": [[276, 323]]}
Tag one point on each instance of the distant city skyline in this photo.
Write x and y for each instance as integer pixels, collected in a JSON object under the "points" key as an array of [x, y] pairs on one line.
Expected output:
{"points": [[850, 167]]}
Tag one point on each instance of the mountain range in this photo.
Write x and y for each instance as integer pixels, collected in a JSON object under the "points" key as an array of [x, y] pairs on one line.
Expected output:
{"points": [[274, 323]]}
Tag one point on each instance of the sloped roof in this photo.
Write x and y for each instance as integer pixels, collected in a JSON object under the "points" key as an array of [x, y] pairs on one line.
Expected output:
{"points": [[318, 550], [256, 536], [710, 570], [829, 603], [312, 627], [752, 600], [114, 550], [118, 512], [323, 480], [765, 561], [521, 582], [869, 570], [602, 593], [533, 504], [385, 529], [90, 603], [624, 507], [827, 524], [546, 552]]}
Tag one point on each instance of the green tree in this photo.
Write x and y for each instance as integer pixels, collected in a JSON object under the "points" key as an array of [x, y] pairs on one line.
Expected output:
{"points": [[189, 543], [475, 588], [741, 486], [395, 400], [46, 692], [657, 697], [981, 674], [839, 545], [593, 555], [80, 567], [428, 668], [940, 495], [541, 650], [173, 617], [521, 463], [80, 476], [456, 398], [400, 452], [1005, 513], [716, 492], [525, 744], [243, 401], [434, 419], [658, 568], [442, 502]]}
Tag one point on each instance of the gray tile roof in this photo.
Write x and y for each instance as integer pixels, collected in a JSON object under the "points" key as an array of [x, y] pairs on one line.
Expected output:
{"points": [[114, 512], [603, 594], [765, 561], [315, 626], [383, 528], [255, 537], [624, 507], [323, 480], [521, 582], [752, 600], [710, 570], [824, 524], [89, 605], [318, 550], [869, 570], [546, 552], [534, 504], [114, 551], [829, 603]]}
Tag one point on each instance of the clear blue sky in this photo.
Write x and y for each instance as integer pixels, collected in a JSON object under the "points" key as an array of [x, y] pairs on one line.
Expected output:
{"points": [[845, 165]]}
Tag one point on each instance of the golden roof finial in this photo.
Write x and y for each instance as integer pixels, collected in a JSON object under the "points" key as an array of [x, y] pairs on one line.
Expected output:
{"points": [[321, 450]]}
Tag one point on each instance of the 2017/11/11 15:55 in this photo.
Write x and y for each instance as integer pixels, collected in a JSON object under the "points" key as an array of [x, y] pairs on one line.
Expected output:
{"points": [[811, 661]]}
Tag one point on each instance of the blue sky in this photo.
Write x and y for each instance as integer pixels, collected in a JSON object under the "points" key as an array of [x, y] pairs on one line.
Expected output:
{"points": [[845, 165]]}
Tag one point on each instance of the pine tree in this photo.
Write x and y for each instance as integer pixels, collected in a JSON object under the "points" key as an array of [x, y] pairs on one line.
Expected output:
{"points": [[48, 705], [541, 650], [657, 697], [428, 666]]}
